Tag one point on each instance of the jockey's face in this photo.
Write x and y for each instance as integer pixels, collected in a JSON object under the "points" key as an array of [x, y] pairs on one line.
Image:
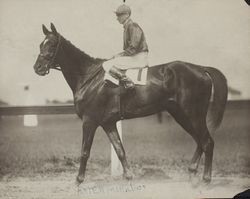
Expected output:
{"points": [[122, 17]]}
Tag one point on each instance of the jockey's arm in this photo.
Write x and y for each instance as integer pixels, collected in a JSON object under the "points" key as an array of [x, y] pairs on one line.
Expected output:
{"points": [[135, 37]]}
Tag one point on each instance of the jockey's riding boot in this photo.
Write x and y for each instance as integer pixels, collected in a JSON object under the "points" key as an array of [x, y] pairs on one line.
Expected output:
{"points": [[117, 73]]}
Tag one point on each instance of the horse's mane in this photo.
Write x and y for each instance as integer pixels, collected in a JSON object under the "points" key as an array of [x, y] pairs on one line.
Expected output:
{"points": [[84, 57]]}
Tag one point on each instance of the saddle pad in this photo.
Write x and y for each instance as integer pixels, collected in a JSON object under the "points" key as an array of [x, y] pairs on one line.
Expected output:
{"points": [[137, 75]]}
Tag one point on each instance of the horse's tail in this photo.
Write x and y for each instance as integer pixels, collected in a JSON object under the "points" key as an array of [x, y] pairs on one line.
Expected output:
{"points": [[219, 97]]}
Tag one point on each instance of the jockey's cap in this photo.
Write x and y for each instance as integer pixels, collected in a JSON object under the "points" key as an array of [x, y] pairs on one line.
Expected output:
{"points": [[123, 9]]}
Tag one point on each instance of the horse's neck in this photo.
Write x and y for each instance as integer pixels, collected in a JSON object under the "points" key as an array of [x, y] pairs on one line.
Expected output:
{"points": [[75, 64]]}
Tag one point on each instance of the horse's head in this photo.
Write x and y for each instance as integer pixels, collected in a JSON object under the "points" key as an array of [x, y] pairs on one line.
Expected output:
{"points": [[48, 51]]}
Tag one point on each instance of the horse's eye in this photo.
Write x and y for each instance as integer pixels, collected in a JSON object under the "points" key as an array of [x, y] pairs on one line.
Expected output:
{"points": [[49, 56]]}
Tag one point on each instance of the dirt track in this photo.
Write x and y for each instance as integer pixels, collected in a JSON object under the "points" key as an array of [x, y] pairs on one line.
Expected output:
{"points": [[63, 186]]}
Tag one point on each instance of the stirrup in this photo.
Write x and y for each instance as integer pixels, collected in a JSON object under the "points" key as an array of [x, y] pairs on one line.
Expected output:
{"points": [[127, 83]]}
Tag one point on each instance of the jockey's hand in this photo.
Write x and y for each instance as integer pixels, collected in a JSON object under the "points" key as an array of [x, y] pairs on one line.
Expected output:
{"points": [[117, 55]]}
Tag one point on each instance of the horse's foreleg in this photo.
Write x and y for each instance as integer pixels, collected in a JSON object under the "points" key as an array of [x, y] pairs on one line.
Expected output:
{"points": [[88, 130], [114, 138]]}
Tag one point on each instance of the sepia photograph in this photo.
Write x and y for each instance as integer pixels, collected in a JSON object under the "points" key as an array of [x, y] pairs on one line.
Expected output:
{"points": [[132, 99]]}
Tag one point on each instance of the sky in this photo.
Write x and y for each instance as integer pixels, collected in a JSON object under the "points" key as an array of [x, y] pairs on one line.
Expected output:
{"points": [[211, 33]]}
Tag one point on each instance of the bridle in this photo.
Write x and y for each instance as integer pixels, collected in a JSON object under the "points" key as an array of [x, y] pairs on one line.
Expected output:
{"points": [[51, 64]]}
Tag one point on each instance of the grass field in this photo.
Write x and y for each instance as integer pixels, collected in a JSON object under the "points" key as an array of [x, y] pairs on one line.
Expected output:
{"points": [[54, 146], [42, 162]]}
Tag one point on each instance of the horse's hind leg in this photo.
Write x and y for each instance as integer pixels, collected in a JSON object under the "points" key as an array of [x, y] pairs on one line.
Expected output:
{"points": [[114, 138], [208, 148], [194, 164], [196, 127], [181, 118], [206, 145]]}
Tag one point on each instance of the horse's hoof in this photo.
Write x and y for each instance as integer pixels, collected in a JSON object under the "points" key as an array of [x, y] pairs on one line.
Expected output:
{"points": [[128, 175], [79, 180], [192, 169], [206, 179]]}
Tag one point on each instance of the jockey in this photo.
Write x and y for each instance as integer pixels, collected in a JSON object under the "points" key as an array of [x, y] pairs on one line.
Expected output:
{"points": [[135, 54]]}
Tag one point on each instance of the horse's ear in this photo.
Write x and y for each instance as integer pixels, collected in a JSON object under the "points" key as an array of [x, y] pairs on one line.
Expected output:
{"points": [[53, 28], [45, 30]]}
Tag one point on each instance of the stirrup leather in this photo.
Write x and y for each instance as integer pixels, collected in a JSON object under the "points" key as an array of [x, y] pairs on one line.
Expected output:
{"points": [[118, 74]]}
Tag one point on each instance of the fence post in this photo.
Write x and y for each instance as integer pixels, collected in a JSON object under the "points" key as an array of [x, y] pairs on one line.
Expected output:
{"points": [[29, 120], [116, 167]]}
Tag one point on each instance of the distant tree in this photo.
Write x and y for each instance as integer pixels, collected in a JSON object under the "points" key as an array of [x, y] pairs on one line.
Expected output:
{"points": [[3, 103], [56, 101], [234, 94], [233, 91], [69, 101]]}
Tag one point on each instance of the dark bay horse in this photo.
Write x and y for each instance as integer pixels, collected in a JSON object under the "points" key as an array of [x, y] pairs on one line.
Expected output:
{"points": [[183, 89]]}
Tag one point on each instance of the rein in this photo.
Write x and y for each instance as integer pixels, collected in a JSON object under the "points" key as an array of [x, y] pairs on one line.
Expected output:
{"points": [[92, 76]]}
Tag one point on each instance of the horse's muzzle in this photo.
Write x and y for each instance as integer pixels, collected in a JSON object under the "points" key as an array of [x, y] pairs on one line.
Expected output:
{"points": [[41, 70]]}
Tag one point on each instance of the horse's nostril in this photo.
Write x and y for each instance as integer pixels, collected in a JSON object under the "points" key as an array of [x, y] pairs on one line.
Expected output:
{"points": [[37, 67]]}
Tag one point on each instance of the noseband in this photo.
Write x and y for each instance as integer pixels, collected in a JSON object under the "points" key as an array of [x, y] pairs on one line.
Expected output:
{"points": [[51, 64]]}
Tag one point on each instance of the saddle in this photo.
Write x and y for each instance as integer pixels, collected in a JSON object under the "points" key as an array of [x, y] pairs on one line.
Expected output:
{"points": [[137, 75]]}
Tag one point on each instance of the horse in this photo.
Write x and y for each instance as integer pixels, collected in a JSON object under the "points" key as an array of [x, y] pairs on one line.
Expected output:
{"points": [[181, 88]]}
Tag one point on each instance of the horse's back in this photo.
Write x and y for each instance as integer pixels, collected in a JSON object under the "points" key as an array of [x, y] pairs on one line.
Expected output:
{"points": [[178, 64], [180, 69]]}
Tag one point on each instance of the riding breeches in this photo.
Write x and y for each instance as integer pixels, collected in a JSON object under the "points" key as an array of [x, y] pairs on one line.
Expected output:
{"points": [[139, 60]]}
